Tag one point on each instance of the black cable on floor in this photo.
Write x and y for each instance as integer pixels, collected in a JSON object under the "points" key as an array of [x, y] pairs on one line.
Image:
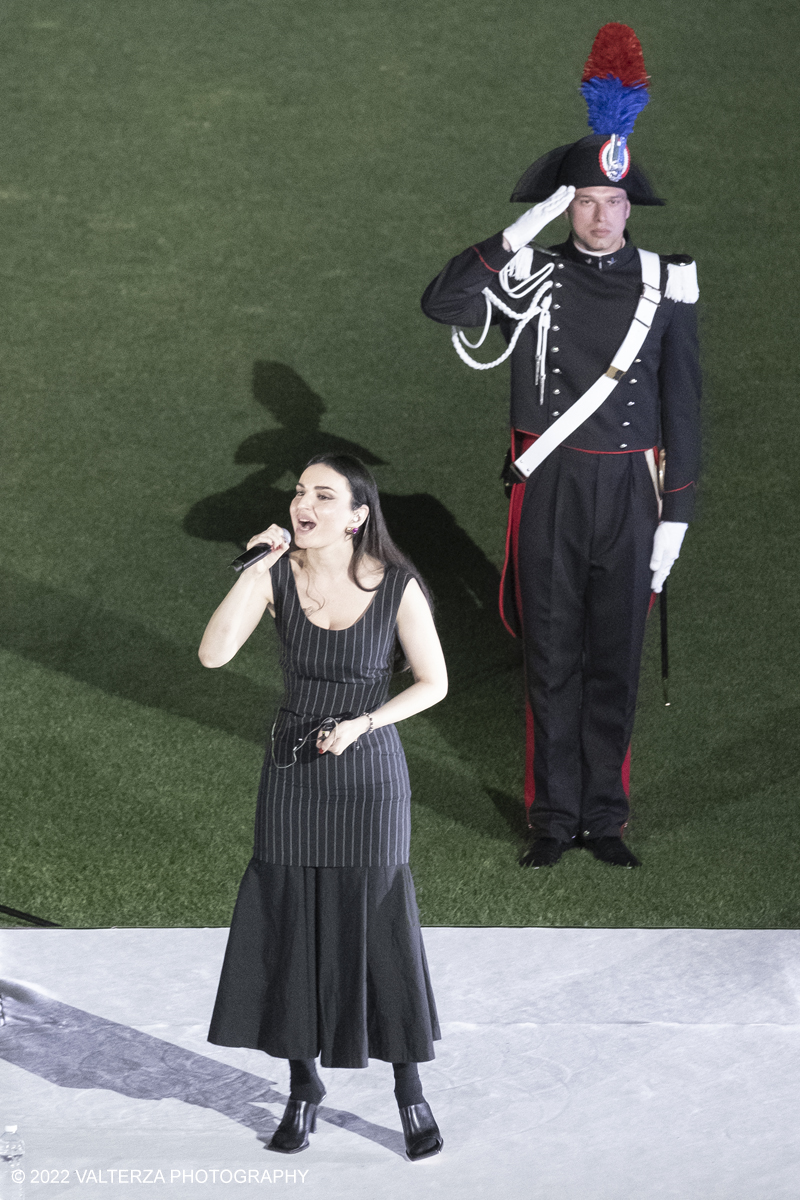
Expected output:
{"points": [[21, 916]]}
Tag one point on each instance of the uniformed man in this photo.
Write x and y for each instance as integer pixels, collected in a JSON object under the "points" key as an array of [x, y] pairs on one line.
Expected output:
{"points": [[590, 532]]}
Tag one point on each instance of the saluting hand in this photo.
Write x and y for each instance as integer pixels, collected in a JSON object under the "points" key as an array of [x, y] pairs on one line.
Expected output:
{"points": [[526, 227]]}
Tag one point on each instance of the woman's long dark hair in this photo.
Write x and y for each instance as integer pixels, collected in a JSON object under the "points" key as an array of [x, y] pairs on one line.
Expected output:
{"points": [[373, 538]]}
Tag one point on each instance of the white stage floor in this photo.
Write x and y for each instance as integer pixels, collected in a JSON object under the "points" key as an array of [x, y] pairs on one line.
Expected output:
{"points": [[576, 1064]]}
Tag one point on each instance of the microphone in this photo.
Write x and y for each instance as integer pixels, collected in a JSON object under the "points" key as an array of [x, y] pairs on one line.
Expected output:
{"points": [[257, 552]]}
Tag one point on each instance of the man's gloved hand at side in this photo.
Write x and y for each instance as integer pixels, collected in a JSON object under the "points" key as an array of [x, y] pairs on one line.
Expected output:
{"points": [[666, 548]]}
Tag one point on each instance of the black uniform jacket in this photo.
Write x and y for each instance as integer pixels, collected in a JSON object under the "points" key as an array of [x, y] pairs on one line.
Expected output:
{"points": [[655, 403]]}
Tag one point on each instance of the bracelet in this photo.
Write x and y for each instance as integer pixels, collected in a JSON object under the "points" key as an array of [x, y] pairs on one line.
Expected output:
{"points": [[371, 726]]}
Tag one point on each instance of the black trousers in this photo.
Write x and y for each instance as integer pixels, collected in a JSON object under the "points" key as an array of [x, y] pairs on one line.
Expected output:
{"points": [[584, 547]]}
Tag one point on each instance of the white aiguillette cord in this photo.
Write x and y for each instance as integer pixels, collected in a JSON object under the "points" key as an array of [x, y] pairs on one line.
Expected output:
{"points": [[538, 307], [591, 400]]}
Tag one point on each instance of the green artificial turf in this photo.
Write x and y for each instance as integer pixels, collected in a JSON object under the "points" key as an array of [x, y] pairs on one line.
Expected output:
{"points": [[218, 218]]}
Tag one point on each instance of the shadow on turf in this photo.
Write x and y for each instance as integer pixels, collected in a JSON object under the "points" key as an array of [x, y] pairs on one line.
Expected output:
{"points": [[236, 514], [126, 659], [76, 1049], [510, 811], [482, 659], [123, 658]]}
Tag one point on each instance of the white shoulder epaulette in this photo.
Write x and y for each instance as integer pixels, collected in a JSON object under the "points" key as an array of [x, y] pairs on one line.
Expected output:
{"points": [[682, 282]]}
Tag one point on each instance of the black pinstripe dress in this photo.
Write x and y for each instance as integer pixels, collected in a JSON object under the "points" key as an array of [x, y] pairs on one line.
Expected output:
{"points": [[325, 953]]}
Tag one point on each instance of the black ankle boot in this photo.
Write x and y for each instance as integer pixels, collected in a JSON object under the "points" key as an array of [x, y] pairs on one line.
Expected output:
{"points": [[299, 1120], [421, 1132]]}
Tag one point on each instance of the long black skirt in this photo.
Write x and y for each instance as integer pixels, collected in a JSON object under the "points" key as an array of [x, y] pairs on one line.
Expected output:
{"points": [[327, 961]]}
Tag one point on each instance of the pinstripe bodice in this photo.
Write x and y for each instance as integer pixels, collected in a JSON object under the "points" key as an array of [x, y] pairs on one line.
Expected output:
{"points": [[329, 810], [335, 671]]}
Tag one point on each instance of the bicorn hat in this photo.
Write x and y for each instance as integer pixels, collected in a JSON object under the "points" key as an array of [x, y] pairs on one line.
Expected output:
{"points": [[614, 86]]}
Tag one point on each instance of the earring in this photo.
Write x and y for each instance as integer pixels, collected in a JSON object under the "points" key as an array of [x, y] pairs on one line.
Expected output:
{"points": [[356, 527]]}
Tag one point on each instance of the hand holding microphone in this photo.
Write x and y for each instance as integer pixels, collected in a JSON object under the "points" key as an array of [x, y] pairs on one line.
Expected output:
{"points": [[265, 549]]}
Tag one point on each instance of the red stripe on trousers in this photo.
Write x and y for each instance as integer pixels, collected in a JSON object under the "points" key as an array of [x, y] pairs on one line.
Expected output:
{"points": [[520, 441]]}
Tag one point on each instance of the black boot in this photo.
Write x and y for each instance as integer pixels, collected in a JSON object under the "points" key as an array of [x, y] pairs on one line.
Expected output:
{"points": [[544, 852], [612, 850], [421, 1132], [299, 1120], [300, 1116]]}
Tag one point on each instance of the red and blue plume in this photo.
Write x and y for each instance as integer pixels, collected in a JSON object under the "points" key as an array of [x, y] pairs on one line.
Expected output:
{"points": [[614, 83]]}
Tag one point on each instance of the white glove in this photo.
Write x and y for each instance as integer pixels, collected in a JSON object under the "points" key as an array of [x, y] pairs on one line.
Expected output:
{"points": [[526, 227], [666, 548]]}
